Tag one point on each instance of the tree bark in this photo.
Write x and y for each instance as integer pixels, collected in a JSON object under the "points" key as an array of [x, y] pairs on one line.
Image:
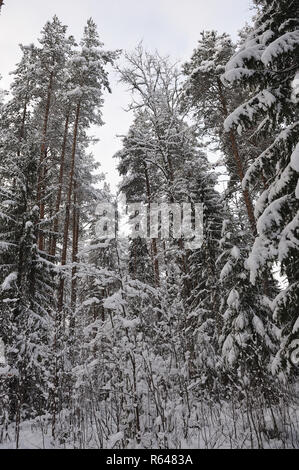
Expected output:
{"points": [[68, 205], [239, 163], [43, 154], [240, 171], [76, 220], [60, 183]]}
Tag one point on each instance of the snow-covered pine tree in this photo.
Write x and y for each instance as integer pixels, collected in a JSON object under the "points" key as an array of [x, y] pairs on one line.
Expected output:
{"points": [[248, 339], [204, 320], [53, 53], [26, 290], [266, 65], [210, 102], [89, 80]]}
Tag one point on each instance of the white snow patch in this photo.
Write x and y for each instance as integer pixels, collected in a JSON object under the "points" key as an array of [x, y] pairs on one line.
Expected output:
{"points": [[235, 252], [295, 88], [233, 299], [258, 325], [295, 159], [114, 438], [6, 285]]}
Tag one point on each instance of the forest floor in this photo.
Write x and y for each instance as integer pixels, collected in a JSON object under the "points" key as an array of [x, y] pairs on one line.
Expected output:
{"points": [[217, 426]]}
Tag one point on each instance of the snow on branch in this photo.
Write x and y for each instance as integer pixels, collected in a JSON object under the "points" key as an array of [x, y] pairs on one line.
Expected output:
{"points": [[263, 101], [282, 45]]}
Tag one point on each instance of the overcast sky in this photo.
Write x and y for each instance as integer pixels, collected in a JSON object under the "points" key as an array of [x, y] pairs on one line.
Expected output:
{"points": [[171, 26]]}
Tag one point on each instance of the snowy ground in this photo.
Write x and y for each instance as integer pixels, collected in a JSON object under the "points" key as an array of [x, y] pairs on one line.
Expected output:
{"points": [[209, 427]]}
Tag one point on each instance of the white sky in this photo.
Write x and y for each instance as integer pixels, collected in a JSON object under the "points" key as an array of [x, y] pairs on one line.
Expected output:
{"points": [[171, 26]]}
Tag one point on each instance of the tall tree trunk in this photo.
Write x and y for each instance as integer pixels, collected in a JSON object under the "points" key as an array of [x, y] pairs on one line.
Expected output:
{"points": [[76, 220], [239, 163], [240, 171], [43, 154], [58, 318], [60, 184], [68, 205]]}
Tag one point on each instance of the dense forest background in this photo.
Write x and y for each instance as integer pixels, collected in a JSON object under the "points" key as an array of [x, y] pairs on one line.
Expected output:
{"points": [[144, 342]]}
